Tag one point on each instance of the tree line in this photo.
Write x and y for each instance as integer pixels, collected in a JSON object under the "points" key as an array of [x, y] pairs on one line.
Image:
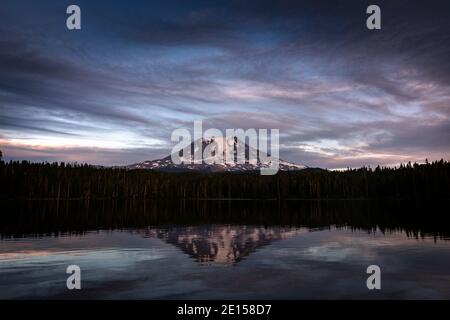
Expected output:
{"points": [[27, 180]]}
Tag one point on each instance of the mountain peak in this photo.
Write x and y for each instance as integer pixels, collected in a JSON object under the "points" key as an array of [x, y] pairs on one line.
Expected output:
{"points": [[213, 145]]}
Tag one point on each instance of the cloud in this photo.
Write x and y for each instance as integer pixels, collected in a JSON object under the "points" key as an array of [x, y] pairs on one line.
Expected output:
{"points": [[91, 155], [341, 95]]}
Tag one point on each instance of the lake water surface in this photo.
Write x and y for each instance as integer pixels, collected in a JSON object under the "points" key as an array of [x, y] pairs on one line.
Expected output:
{"points": [[278, 251]]}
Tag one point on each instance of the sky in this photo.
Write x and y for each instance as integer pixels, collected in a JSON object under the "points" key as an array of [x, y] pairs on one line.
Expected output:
{"points": [[113, 92]]}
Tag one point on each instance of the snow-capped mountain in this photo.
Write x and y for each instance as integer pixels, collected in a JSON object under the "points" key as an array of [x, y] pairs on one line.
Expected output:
{"points": [[166, 164]]}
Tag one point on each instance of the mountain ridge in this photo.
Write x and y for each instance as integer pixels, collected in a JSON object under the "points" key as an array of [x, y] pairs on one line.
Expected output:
{"points": [[190, 165]]}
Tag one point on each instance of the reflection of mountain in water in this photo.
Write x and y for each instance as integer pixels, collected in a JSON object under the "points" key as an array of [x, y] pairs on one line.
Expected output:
{"points": [[221, 244]]}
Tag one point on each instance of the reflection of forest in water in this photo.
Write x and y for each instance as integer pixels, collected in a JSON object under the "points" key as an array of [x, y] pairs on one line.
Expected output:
{"points": [[60, 217]]}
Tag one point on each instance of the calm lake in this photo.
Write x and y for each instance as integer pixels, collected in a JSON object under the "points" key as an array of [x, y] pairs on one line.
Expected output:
{"points": [[224, 249]]}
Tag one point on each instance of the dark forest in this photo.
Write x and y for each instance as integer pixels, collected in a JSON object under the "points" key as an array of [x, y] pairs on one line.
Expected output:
{"points": [[25, 180]]}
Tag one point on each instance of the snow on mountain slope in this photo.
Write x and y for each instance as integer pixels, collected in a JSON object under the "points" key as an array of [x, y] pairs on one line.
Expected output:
{"points": [[166, 164]]}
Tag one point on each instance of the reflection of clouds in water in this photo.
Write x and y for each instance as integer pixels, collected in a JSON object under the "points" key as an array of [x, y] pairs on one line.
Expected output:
{"points": [[43, 274], [346, 244], [342, 244], [116, 258], [145, 264], [330, 252]]}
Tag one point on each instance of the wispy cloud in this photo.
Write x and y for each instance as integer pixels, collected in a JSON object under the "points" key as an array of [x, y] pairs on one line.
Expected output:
{"points": [[340, 94]]}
